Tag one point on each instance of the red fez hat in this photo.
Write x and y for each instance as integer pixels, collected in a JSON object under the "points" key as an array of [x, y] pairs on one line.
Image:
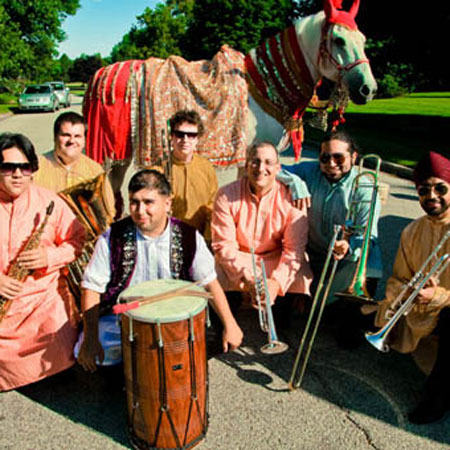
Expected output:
{"points": [[335, 15], [432, 165]]}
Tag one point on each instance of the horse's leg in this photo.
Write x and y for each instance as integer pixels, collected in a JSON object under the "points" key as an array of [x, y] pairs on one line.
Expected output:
{"points": [[116, 177]]}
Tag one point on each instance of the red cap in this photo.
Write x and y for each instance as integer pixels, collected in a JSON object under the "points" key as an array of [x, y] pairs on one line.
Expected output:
{"points": [[335, 15]]}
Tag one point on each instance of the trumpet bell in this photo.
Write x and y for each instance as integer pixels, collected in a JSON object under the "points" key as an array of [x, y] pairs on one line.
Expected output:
{"points": [[274, 347], [378, 341]]}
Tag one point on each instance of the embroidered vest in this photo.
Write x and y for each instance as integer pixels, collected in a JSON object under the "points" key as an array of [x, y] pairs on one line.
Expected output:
{"points": [[123, 253]]}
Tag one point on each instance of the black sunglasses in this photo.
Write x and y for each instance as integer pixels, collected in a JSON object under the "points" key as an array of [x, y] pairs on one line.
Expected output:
{"points": [[182, 134], [338, 158], [439, 188], [10, 168]]}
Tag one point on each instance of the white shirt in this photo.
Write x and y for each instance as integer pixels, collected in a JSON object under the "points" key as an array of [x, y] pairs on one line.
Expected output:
{"points": [[152, 261]]}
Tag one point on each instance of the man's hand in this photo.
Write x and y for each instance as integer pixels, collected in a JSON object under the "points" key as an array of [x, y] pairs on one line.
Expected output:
{"points": [[232, 337], [340, 249], [34, 259], [426, 294], [9, 287], [273, 287], [90, 350], [302, 203]]}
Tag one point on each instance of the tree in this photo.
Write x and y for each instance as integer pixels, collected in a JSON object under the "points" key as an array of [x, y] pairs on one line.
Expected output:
{"points": [[84, 67], [29, 33], [158, 32], [238, 23]]}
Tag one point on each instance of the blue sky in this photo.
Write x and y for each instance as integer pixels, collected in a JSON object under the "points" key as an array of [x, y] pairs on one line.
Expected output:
{"points": [[100, 24]]}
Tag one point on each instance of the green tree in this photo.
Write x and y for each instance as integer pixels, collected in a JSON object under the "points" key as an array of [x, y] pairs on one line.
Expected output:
{"points": [[239, 23], [84, 67], [29, 33], [158, 32]]}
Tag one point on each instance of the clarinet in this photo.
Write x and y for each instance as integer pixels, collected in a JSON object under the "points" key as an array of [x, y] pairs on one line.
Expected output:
{"points": [[18, 272]]}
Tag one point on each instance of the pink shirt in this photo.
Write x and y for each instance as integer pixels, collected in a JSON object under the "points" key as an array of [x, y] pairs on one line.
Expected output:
{"points": [[275, 229], [38, 332]]}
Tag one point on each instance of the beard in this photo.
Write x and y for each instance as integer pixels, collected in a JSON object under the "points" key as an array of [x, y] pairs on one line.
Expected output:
{"points": [[436, 207]]}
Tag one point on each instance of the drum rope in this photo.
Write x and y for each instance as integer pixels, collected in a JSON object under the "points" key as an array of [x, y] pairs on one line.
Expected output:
{"points": [[163, 390]]}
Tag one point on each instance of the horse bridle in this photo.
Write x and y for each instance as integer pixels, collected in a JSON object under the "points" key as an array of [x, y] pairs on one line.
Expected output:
{"points": [[324, 51]]}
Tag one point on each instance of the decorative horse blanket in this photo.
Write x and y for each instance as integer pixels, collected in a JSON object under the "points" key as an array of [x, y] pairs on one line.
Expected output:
{"points": [[128, 104]]}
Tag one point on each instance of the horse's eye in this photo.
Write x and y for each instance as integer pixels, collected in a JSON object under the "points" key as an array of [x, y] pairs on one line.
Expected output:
{"points": [[340, 42]]}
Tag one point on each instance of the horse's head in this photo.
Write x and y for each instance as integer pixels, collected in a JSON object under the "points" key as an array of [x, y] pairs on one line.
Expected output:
{"points": [[335, 48], [342, 58]]}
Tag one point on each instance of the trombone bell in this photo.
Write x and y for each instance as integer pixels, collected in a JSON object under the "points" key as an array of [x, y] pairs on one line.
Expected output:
{"points": [[378, 340], [274, 347]]}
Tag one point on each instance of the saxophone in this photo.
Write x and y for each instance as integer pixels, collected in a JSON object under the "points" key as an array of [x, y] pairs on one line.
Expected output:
{"points": [[18, 272]]}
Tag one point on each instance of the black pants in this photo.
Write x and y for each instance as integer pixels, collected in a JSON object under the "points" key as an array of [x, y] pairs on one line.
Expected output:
{"points": [[438, 382]]}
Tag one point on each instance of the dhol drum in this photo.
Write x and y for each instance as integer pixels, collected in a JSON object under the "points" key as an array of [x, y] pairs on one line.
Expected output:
{"points": [[166, 370]]}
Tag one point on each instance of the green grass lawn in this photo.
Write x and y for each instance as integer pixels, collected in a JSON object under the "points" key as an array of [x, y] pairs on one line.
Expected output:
{"points": [[399, 129], [7, 101], [77, 88]]}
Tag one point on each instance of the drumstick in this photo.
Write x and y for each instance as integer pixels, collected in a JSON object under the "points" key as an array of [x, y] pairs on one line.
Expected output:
{"points": [[140, 301]]}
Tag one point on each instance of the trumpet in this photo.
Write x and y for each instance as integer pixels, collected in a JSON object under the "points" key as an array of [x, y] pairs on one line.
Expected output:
{"points": [[401, 306], [357, 290], [266, 322]]}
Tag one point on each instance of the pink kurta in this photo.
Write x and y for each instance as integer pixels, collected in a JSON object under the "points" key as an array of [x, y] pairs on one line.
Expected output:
{"points": [[38, 332], [272, 226]]}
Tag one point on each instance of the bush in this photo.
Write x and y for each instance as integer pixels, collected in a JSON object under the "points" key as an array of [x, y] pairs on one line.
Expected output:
{"points": [[390, 86]]}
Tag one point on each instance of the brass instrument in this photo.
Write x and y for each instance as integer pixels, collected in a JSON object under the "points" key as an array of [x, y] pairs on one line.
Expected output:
{"points": [[357, 290], [266, 322], [18, 272], [167, 153], [296, 378], [401, 306], [88, 202]]}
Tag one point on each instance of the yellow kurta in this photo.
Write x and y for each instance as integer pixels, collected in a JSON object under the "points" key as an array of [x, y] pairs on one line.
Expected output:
{"points": [[194, 188], [417, 241], [53, 175]]}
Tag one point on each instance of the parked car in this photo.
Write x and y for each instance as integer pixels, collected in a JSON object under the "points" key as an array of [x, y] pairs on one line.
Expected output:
{"points": [[38, 96], [62, 91]]}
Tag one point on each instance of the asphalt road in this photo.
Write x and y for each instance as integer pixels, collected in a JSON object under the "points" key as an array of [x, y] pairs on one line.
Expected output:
{"points": [[349, 399]]}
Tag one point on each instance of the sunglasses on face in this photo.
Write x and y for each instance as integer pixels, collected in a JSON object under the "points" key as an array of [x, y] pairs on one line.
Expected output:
{"points": [[439, 188], [10, 168], [185, 134], [338, 158]]}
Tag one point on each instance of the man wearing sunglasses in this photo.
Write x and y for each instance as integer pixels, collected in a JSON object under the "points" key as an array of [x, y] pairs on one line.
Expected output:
{"points": [[431, 312], [39, 329], [194, 180], [329, 182]]}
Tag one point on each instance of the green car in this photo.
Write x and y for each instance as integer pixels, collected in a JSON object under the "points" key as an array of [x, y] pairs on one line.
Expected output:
{"points": [[37, 97]]}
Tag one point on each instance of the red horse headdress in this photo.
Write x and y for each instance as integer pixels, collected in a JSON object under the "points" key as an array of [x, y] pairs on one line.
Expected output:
{"points": [[335, 15]]}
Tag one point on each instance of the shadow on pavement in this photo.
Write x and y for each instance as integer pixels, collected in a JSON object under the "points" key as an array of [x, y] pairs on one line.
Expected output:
{"points": [[95, 400]]}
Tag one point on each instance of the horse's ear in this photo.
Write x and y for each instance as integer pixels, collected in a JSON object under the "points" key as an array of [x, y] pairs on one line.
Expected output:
{"points": [[334, 13]]}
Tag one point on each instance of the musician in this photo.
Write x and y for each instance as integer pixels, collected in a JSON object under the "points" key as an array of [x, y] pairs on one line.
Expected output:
{"points": [[431, 314], [148, 245], [38, 331], [256, 211], [66, 165], [329, 182], [194, 180]]}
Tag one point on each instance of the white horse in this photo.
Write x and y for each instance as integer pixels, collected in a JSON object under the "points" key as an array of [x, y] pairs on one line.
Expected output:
{"points": [[331, 47]]}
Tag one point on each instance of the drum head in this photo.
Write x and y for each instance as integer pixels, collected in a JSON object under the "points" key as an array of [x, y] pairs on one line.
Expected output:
{"points": [[173, 309]]}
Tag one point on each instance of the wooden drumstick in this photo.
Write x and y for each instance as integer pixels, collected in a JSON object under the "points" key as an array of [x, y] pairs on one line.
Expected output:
{"points": [[140, 301]]}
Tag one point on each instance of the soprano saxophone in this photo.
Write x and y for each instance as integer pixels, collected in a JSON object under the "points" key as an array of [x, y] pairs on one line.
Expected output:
{"points": [[18, 272]]}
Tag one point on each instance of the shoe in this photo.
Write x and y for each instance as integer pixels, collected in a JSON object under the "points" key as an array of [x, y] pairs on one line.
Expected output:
{"points": [[429, 410]]}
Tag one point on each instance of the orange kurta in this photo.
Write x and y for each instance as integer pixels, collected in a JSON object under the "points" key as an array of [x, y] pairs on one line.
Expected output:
{"points": [[276, 230], [38, 332]]}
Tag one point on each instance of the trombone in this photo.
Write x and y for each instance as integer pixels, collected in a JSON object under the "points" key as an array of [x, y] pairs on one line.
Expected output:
{"points": [[357, 290], [401, 307], [296, 379], [266, 322]]}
